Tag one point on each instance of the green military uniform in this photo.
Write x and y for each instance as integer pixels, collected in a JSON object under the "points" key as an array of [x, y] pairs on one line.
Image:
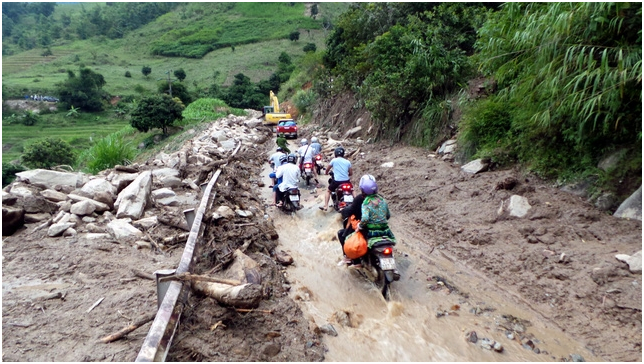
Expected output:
{"points": [[282, 143]]}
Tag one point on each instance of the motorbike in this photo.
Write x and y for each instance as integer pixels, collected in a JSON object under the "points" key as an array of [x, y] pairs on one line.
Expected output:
{"points": [[307, 172], [342, 196], [291, 200], [318, 164], [379, 265]]}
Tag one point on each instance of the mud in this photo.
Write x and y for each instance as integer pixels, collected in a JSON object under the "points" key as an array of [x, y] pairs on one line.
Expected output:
{"points": [[464, 268]]}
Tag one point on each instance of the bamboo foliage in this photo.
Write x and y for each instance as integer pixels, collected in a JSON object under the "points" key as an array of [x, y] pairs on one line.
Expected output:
{"points": [[577, 66]]}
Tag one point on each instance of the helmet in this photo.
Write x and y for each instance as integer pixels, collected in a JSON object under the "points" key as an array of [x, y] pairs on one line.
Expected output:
{"points": [[339, 152], [304, 142], [368, 184], [279, 149], [291, 158], [314, 140], [282, 159]]}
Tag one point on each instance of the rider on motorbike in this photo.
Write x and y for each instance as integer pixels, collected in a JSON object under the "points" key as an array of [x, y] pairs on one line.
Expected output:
{"points": [[341, 174], [291, 174], [375, 211], [306, 156], [274, 160], [273, 175], [316, 146], [283, 143]]}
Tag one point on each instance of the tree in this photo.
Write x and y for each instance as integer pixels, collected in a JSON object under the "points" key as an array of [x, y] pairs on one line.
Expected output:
{"points": [[30, 118], [295, 35], [180, 74], [48, 153], [146, 70], [84, 91], [47, 52], [158, 111], [178, 90], [309, 47], [314, 10]]}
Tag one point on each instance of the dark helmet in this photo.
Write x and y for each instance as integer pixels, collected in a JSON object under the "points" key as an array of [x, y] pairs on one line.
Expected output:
{"points": [[339, 152], [291, 158], [368, 184], [279, 149], [282, 159]]}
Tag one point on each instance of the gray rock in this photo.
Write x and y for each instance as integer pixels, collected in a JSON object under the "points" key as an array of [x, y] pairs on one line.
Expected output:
{"points": [[634, 261], [244, 213], [228, 145], [487, 344], [271, 349], [631, 208], [146, 223], [252, 123], [10, 199], [606, 201], [122, 180], [98, 185], [475, 166], [610, 161], [36, 204], [96, 236], [53, 195], [447, 147], [100, 207], [497, 347], [224, 212], [106, 198], [59, 228], [65, 206], [472, 337], [329, 330], [132, 200], [387, 165], [576, 358], [163, 193], [342, 318], [353, 131], [69, 232], [519, 206], [219, 135], [121, 229], [93, 228], [83, 208], [52, 178]]}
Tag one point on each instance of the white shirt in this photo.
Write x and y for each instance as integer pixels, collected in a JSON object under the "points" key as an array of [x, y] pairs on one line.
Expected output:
{"points": [[309, 153], [291, 174], [275, 158]]}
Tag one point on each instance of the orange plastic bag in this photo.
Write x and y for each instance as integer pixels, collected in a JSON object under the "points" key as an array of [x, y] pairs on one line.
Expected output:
{"points": [[355, 246], [353, 222]]}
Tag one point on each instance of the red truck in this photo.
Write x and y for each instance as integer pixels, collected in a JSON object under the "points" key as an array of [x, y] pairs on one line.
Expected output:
{"points": [[287, 128]]}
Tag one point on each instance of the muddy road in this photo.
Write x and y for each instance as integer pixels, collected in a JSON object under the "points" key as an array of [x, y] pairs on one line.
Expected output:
{"points": [[546, 287], [427, 320]]}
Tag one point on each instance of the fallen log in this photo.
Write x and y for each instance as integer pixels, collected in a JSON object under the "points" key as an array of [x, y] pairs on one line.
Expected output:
{"points": [[126, 330], [176, 239], [187, 277], [143, 275], [243, 296]]}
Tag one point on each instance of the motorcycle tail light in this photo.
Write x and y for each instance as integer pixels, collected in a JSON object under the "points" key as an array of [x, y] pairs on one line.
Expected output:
{"points": [[347, 187], [307, 165], [388, 251], [318, 157]]}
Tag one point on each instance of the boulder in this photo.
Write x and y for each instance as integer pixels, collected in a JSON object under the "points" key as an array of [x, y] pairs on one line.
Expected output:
{"points": [[9, 199], [519, 206], [631, 208], [252, 123], [53, 195], [13, 218], [146, 223], [36, 204], [610, 162], [224, 212], [120, 229], [170, 181], [59, 228], [199, 159], [165, 197], [244, 213], [634, 261], [20, 189], [98, 185], [106, 198], [93, 228], [122, 180], [100, 207], [475, 166], [447, 147], [219, 135], [605, 201], [52, 178], [132, 200], [228, 145], [83, 208]]}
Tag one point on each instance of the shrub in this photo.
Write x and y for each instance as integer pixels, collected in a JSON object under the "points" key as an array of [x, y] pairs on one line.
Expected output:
{"points": [[146, 70], [128, 74], [30, 118], [303, 100], [309, 47], [158, 111], [47, 153], [9, 171]]}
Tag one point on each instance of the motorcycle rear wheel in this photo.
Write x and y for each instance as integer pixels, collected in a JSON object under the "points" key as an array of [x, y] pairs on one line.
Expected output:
{"points": [[382, 283]]}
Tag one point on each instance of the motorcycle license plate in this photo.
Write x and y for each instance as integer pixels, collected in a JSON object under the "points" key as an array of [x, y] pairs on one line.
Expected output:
{"points": [[348, 198], [294, 197], [307, 170], [387, 263]]}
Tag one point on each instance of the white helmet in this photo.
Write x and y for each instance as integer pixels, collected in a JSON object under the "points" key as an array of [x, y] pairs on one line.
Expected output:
{"points": [[314, 140], [304, 142]]}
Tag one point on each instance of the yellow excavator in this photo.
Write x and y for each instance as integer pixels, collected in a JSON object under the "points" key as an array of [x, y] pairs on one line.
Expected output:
{"points": [[272, 113]]}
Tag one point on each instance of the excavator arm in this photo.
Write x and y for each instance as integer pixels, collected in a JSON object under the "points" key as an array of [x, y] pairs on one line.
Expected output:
{"points": [[274, 102]]}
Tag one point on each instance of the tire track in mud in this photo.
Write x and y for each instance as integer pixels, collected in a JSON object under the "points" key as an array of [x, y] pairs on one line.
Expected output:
{"points": [[413, 326]]}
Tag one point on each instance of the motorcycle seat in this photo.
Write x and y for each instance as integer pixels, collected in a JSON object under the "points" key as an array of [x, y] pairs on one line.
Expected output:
{"points": [[379, 241]]}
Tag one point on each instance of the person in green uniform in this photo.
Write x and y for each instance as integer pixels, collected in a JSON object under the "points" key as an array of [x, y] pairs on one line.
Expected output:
{"points": [[282, 143]]}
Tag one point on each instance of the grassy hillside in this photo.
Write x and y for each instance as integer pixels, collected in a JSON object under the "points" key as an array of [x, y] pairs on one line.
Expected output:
{"points": [[260, 32]]}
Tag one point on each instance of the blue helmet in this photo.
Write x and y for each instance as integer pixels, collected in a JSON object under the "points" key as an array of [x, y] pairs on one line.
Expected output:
{"points": [[282, 159], [291, 158]]}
